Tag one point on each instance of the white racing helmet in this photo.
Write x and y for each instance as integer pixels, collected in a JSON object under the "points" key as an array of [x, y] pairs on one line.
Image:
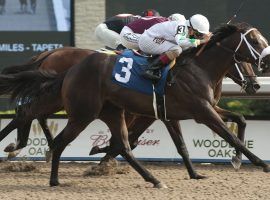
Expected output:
{"points": [[176, 17], [200, 23]]}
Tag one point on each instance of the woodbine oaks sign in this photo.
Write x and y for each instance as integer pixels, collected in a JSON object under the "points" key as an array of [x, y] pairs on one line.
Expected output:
{"points": [[154, 145]]}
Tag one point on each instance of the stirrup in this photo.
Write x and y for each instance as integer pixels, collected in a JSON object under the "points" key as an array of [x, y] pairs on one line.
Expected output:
{"points": [[149, 74], [159, 107]]}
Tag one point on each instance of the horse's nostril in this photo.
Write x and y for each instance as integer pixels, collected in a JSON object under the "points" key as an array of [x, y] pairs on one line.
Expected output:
{"points": [[256, 86]]}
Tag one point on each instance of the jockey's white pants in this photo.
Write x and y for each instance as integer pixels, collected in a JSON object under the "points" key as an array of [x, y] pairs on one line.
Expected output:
{"points": [[129, 39], [107, 37], [157, 46]]}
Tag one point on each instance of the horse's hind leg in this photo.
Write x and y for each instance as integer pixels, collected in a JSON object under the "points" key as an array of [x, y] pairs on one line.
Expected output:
{"points": [[67, 135], [139, 125], [119, 130], [136, 126], [106, 115]]}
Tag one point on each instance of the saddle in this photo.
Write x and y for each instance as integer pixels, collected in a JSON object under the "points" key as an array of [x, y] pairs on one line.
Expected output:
{"points": [[128, 72]]}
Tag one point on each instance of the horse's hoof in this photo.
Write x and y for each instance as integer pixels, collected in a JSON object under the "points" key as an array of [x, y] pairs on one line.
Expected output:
{"points": [[54, 183], [266, 169], [236, 162], [10, 147], [198, 176], [160, 186], [13, 154], [109, 162], [94, 150], [48, 156]]}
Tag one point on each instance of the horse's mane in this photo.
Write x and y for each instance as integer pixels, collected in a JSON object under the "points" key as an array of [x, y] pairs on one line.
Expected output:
{"points": [[220, 33]]}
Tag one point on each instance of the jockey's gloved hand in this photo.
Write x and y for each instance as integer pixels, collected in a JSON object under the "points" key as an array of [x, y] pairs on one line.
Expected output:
{"points": [[120, 47], [206, 38]]}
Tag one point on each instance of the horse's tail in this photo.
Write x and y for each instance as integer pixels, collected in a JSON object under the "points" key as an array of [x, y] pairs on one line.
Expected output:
{"points": [[32, 64], [30, 85]]}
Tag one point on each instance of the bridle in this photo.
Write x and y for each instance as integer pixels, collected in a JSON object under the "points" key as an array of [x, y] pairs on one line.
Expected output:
{"points": [[256, 55], [252, 51]]}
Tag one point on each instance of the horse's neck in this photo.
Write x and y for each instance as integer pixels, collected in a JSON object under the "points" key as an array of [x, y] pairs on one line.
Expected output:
{"points": [[215, 62]]}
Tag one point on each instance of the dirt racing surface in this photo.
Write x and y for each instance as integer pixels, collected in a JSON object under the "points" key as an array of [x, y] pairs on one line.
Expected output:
{"points": [[30, 180]]}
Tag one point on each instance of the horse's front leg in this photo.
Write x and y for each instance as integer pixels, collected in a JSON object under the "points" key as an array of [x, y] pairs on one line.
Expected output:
{"points": [[66, 136], [207, 115], [227, 115], [176, 135]]}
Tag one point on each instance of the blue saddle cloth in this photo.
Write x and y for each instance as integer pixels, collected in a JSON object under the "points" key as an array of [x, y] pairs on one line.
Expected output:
{"points": [[128, 71]]}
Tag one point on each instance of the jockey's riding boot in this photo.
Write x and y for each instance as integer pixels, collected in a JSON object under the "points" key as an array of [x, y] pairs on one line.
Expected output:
{"points": [[153, 72], [120, 47]]}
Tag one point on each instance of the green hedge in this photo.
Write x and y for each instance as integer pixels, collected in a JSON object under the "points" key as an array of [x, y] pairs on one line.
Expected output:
{"points": [[248, 107]]}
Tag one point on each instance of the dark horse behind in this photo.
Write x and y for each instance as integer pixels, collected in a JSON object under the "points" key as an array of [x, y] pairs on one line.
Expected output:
{"points": [[191, 97]]}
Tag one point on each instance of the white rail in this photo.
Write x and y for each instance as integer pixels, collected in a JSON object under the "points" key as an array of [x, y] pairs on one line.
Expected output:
{"points": [[231, 89]]}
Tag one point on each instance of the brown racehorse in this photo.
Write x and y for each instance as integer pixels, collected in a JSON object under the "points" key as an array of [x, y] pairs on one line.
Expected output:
{"points": [[58, 61], [63, 58], [140, 123], [192, 94]]}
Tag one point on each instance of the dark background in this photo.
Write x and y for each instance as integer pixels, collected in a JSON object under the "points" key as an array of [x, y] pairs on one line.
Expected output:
{"points": [[33, 31], [218, 11], [27, 36], [253, 12]]}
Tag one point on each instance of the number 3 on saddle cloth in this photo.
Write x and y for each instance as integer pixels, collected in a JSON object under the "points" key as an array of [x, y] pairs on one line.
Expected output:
{"points": [[128, 72]]}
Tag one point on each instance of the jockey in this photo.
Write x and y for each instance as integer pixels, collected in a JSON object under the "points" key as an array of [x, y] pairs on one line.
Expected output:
{"points": [[131, 33], [108, 31], [177, 17], [169, 39]]}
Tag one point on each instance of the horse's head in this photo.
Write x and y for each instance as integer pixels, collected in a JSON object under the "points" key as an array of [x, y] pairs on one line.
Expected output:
{"points": [[251, 47], [243, 75], [245, 43]]}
